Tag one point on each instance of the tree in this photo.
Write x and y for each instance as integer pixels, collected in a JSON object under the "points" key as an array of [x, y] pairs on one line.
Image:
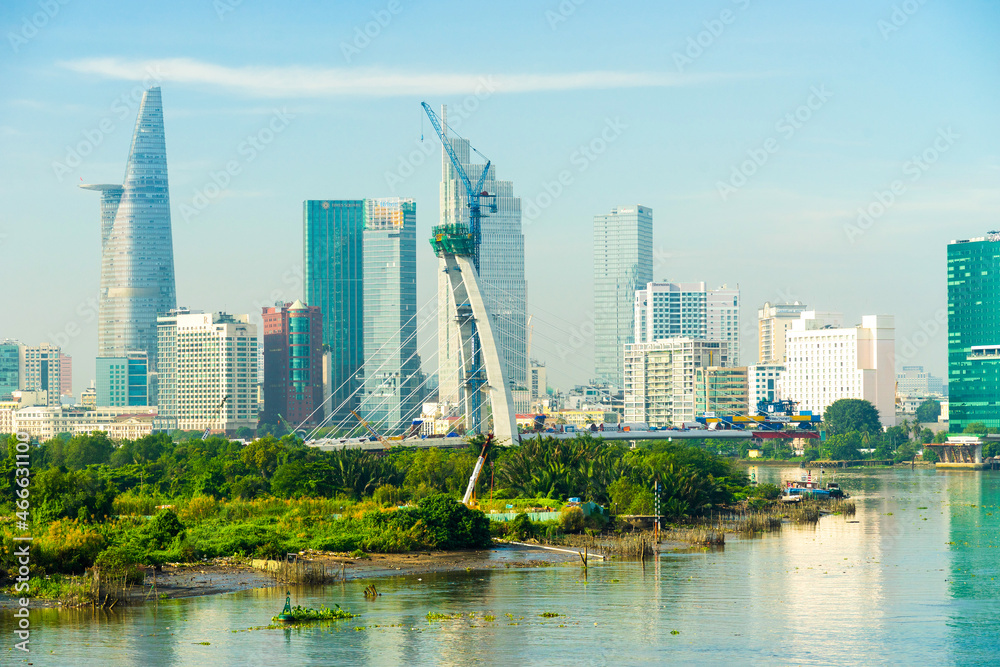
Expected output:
{"points": [[906, 452], [928, 411], [851, 414], [941, 436], [844, 447], [264, 455], [976, 428]]}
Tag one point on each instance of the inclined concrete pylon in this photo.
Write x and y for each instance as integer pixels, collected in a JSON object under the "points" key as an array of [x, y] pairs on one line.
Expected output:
{"points": [[478, 338]]}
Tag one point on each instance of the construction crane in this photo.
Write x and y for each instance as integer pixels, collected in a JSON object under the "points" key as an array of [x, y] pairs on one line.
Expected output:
{"points": [[476, 471], [218, 410], [370, 429], [473, 195]]}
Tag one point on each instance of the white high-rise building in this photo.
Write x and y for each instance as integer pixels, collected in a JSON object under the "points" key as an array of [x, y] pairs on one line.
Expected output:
{"points": [[915, 381], [762, 384], [501, 274], [773, 320], [827, 362], [690, 309], [41, 370], [660, 378], [207, 366], [623, 263]]}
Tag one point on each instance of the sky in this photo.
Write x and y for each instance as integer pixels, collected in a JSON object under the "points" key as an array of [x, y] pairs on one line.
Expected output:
{"points": [[824, 152]]}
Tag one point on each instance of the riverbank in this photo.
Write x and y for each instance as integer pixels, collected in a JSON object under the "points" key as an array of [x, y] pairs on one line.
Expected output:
{"points": [[230, 575]]}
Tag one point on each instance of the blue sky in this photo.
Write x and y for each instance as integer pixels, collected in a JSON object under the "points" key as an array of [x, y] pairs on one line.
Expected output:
{"points": [[754, 130]]}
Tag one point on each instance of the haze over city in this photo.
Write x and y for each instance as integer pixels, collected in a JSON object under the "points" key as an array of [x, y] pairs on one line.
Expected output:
{"points": [[830, 103]]}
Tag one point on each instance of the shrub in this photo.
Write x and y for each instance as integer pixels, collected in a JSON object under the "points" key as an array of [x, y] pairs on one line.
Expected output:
{"points": [[571, 519], [452, 525], [521, 527], [766, 491], [198, 509], [387, 494]]}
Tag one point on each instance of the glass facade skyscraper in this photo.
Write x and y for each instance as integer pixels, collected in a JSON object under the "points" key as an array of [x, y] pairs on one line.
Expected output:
{"points": [[333, 273], [137, 257], [623, 263], [10, 368], [293, 364], [974, 332], [392, 366], [663, 310], [501, 274], [123, 381]]}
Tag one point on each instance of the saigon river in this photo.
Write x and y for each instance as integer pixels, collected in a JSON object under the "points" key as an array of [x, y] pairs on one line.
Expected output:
{"points": [[910, 579]]}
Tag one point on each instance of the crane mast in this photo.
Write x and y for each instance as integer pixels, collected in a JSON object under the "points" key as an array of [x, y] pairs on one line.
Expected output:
{"points": [[473, 195]]}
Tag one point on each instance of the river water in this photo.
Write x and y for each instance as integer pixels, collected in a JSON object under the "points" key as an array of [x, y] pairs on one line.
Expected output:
{"points": [[911, 579]]}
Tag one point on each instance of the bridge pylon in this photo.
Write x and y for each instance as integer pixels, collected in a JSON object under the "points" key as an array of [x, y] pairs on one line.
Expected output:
{"points": [[478, 349]]}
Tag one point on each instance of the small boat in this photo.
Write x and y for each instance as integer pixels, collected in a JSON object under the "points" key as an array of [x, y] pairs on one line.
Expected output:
{"points": [[811, 488]]}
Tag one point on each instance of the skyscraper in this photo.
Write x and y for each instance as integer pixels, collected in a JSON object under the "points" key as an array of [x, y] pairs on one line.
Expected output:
{"points": [[623, 263], [392, 396], [293, 364], [65, 374], [123, 381], [333, 242], [974, 332], [207, 371], [42, 371], [660, 378], [827, 362], [137, 257], [501, 273], [11, 361], [773, 320], [663, 310]]}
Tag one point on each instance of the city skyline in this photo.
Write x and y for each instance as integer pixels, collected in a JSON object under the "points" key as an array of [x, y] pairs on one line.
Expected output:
{"points": [[250, 140]]}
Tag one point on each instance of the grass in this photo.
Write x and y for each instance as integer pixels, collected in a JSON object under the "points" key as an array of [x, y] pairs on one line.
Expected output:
{"points": [[434, 616], [301, 614]]}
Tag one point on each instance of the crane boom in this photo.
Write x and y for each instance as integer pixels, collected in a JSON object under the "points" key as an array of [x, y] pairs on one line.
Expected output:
{"points": [[369, 428], [476, 470], [472, 194], [204, 436]]}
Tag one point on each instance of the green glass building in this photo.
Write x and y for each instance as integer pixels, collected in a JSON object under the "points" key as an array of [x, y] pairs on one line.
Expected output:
{"points": [[122, 381], [393, 391], [974, 332], [333, 272]]}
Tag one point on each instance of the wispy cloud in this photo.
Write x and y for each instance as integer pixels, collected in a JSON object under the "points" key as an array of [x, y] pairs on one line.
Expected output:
{"points": [[299, 81]]}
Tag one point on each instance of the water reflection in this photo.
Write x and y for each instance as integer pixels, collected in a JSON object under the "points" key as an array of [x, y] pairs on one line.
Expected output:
{"points": [[911, 578]]}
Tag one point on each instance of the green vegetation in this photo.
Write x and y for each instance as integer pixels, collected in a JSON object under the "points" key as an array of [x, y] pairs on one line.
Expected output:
{"points": [[928, 411], [851, 414], [156, 500], [300, 614]]}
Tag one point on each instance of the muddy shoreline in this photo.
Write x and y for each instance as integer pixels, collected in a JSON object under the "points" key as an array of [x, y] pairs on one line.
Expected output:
{"points": [[229, 575]]}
